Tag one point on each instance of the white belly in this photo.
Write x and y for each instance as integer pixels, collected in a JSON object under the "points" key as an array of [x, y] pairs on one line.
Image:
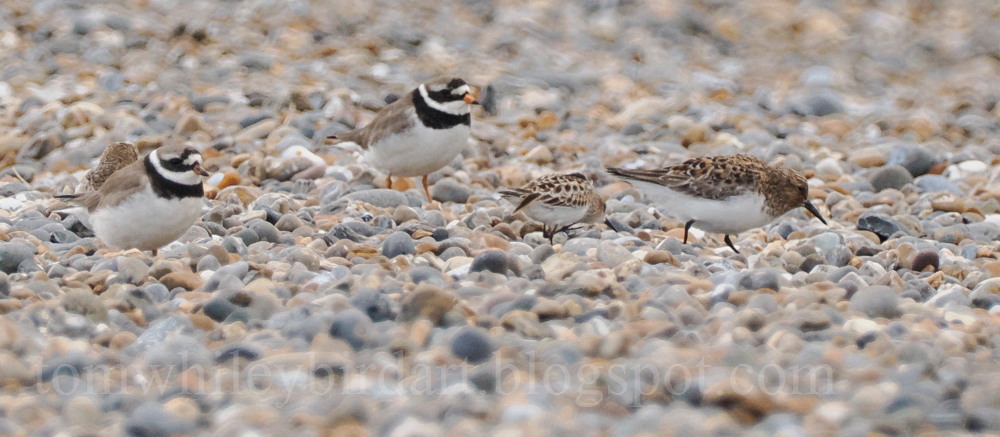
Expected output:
{"points": [[419, 151], [146, 221], [731, 216], [554, 216]]}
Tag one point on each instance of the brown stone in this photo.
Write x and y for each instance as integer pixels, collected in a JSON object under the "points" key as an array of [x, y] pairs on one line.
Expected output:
{"points": [[185, 280], [229, 178], [420, 233], [202, 322], [993, 267], [547, 309], [868, 157], [426, 247], [741, 397], [238, 193], [526, 324], [122, 339], [190, 123], [949, 203], [426, 301], [660, 257]]}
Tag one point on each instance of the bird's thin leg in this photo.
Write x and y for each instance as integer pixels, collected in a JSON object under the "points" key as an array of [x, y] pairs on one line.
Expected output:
{"points": [[570, 228], [427, 189], [388, 181], [548, 233], [688, 226], [730, 243]]}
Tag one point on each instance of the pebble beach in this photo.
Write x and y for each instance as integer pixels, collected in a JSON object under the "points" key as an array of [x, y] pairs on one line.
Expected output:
{"points": [[311, 300]]}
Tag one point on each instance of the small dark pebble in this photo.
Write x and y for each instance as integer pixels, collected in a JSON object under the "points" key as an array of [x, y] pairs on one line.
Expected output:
{"points": [[440, 234], [237, 351], [811, 262], [473, 345], [884, 227], [219, 309], [254, 119], [863, 340], [398, 243], [925, 258], [374, 304], [491, 260]]}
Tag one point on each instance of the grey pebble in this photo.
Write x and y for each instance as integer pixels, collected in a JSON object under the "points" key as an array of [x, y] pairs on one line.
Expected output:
{"points": [[491, 261], [876, 301], [219, 309], [151, 420], [613, 254], [428, 274], [880, 225], [71, 325], [952, 296], [916, 160], [247, 236], [987, 294], [352, 326], [374, 304], [208, 262], [761, 278], [936, 183], [488, 99], [473, 345], [448, 190], [818, 104], [156, 333], [181, 352], [382, 198], [132, 271], [890, 176], [398, 243], [12, 255]]}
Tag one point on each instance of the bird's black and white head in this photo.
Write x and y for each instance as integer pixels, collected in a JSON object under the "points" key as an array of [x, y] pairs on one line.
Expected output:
{"points": [[449, 95], [180, 165]]}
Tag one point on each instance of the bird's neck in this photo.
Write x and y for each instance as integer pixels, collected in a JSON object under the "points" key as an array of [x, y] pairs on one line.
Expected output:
{"points": [[437, 115], [167, 188]]}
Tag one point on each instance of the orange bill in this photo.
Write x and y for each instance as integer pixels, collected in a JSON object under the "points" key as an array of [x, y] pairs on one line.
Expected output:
{"points": [[470, 99]]}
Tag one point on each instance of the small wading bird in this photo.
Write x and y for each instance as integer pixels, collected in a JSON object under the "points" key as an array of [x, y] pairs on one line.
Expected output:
{"points": [[420, 133], [148, 203], [558, 201], [114, 158], [722, 194]]}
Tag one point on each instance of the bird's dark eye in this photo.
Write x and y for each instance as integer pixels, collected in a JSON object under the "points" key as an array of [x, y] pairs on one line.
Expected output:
{"points": [[176, 161]]}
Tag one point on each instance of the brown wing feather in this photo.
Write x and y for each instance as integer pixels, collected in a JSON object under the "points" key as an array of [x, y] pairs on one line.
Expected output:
{"points": [[392, 118], [553, 189], [527, 200], [714, 177], [119, 186]]}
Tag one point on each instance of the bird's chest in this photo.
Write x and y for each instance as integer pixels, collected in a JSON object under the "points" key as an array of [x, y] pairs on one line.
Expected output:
{"points": [[146, 220], [419, 150]]}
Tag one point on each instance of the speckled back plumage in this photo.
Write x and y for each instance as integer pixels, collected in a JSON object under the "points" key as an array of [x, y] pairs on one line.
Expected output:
{"points": [[722, 177], [115, 157], [571, 190]]}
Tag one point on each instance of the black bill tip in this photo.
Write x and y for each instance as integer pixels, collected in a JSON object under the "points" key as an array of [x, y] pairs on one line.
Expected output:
{"points": [[811, 208]]}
